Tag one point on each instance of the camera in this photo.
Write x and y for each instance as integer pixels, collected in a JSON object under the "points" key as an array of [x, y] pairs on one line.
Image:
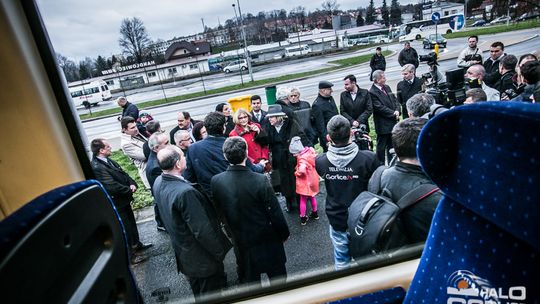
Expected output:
{"points": [[452, 92], [361, 138], [513, 92], [473, 57], [430, 58]]}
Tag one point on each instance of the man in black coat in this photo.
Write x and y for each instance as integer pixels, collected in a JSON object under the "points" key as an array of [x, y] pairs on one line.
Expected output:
{"points": [[128, 109], [197, 239], [507, 69], [409, 86], [496, 54], [121, 188], [385, 114], [405, 176], [377, 62], [355, 103], [156, 142], [250, 208], [324, 108], [408, 55], [257, 114]]}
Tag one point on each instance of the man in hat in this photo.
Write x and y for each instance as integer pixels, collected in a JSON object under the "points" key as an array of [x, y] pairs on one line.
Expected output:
{"points": [[324, 108]]}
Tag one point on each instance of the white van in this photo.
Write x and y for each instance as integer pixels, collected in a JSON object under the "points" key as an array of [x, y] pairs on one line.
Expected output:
{"points": [[89, 94], [297, 50]]}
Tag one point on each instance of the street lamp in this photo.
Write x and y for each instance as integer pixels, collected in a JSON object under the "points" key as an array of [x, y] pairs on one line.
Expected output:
{"points": [[245, 40], [199, 67], [241, 77]]}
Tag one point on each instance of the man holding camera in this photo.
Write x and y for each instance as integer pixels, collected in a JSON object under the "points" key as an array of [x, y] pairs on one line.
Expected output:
{"points": [[471, 55]]}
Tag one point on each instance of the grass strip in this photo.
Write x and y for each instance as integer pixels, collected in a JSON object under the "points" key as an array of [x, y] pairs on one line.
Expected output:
{"points": [[495, 29], [141, 197]]}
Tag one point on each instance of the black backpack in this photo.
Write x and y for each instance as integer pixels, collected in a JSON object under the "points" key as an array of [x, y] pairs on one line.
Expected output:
{"points": [[373, 219]]}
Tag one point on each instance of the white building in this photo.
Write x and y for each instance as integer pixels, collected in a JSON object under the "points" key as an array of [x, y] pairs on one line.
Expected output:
{"points": [[443, 8]]}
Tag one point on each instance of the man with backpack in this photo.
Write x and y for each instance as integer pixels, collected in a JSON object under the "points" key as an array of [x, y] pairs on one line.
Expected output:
{"points": [[405, 176], [346, 171], [397, 208]]}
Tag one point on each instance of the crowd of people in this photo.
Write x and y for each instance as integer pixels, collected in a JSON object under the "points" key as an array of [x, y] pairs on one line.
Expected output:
{"points": [[215, 181]]}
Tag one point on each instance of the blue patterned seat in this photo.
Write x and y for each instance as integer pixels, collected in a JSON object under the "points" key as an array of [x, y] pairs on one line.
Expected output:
{"points": [[484, 240], [67, 245]]}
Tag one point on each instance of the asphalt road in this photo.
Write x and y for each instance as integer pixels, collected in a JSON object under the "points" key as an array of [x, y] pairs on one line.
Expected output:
{"points": [[109, 127], [308, 250]]}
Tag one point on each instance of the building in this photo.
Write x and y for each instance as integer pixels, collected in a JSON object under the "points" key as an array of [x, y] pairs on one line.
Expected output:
{"points": [[443, 8]]}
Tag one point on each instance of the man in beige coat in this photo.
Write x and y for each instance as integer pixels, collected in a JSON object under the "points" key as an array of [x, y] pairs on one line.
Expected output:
{"points": [[131, 142]]}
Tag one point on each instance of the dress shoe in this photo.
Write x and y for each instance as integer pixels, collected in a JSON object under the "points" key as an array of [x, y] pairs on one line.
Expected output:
{"points": [[136, 259], [142, 246]]}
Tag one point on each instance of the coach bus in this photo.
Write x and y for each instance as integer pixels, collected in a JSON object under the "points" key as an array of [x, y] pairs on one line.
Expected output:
{"points": [[416, 30], [90, 93], [45, 148]]}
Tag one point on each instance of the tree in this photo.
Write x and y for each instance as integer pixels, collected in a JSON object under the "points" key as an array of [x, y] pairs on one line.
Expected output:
{"points": [[395, 13], [86, 68], [330, 6], [101, 64], [134, 40], [359, 19], [370, 13], [71, 72], [385, 14]]}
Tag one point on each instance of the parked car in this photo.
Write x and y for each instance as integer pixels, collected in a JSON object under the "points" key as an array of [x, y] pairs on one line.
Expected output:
{"points": [[479, 22], [528, 16], [237, 65], [433, 39], [500, 20]]}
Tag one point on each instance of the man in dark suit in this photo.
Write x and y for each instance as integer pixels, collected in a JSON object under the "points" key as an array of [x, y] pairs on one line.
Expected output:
{"points": [[385, 114], [409, 86], [257, 114], [249, 206], [196, 236], [156, 142], [120, 187], [205, 158], [355, 103]]}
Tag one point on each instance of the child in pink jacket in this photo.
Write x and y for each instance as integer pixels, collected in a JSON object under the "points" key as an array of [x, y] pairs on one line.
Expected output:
{"points": [[307, 179]]}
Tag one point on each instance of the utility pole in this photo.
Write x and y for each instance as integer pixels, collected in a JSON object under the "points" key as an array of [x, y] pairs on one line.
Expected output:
{"points": [[245, 41]]}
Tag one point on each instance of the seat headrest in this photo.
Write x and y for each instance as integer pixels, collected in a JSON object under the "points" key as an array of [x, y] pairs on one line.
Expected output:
{"points": [[486, 157]]}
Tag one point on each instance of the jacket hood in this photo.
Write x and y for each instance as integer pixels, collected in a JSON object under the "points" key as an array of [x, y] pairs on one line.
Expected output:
{"points": [[342, 156]]}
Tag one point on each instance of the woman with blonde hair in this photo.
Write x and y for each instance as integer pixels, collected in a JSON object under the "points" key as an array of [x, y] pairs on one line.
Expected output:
{"points": [[254, 135]]}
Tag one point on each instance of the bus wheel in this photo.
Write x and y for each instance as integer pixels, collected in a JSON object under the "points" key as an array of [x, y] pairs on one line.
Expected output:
{"points": [[418, 37], [449, 31], [86, 104]]}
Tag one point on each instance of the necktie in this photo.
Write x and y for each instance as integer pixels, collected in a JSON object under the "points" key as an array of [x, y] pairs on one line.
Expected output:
{"points": [[258, 115], [384, 91]]}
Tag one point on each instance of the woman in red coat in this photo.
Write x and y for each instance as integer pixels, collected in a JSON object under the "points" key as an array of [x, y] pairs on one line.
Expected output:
{"points": [[252, 133]]}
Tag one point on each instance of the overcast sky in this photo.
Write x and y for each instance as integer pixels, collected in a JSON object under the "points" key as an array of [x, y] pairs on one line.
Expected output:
{"points": [[79, 29]]}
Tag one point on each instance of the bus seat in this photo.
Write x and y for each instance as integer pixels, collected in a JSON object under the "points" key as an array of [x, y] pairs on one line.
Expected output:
{"points": [[484, 241], [66, 245]]}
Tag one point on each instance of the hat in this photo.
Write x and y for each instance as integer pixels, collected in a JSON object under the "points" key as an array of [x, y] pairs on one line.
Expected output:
{"points": [[296, 145], [325, 84], [274, 111]]}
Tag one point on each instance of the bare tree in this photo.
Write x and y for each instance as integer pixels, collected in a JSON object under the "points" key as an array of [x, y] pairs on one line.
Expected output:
{"points": [[70, 69], [134, 40], [330, 6]]}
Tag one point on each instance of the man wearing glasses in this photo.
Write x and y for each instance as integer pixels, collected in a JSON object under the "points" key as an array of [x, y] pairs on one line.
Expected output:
{"points": [[183, 140]]}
